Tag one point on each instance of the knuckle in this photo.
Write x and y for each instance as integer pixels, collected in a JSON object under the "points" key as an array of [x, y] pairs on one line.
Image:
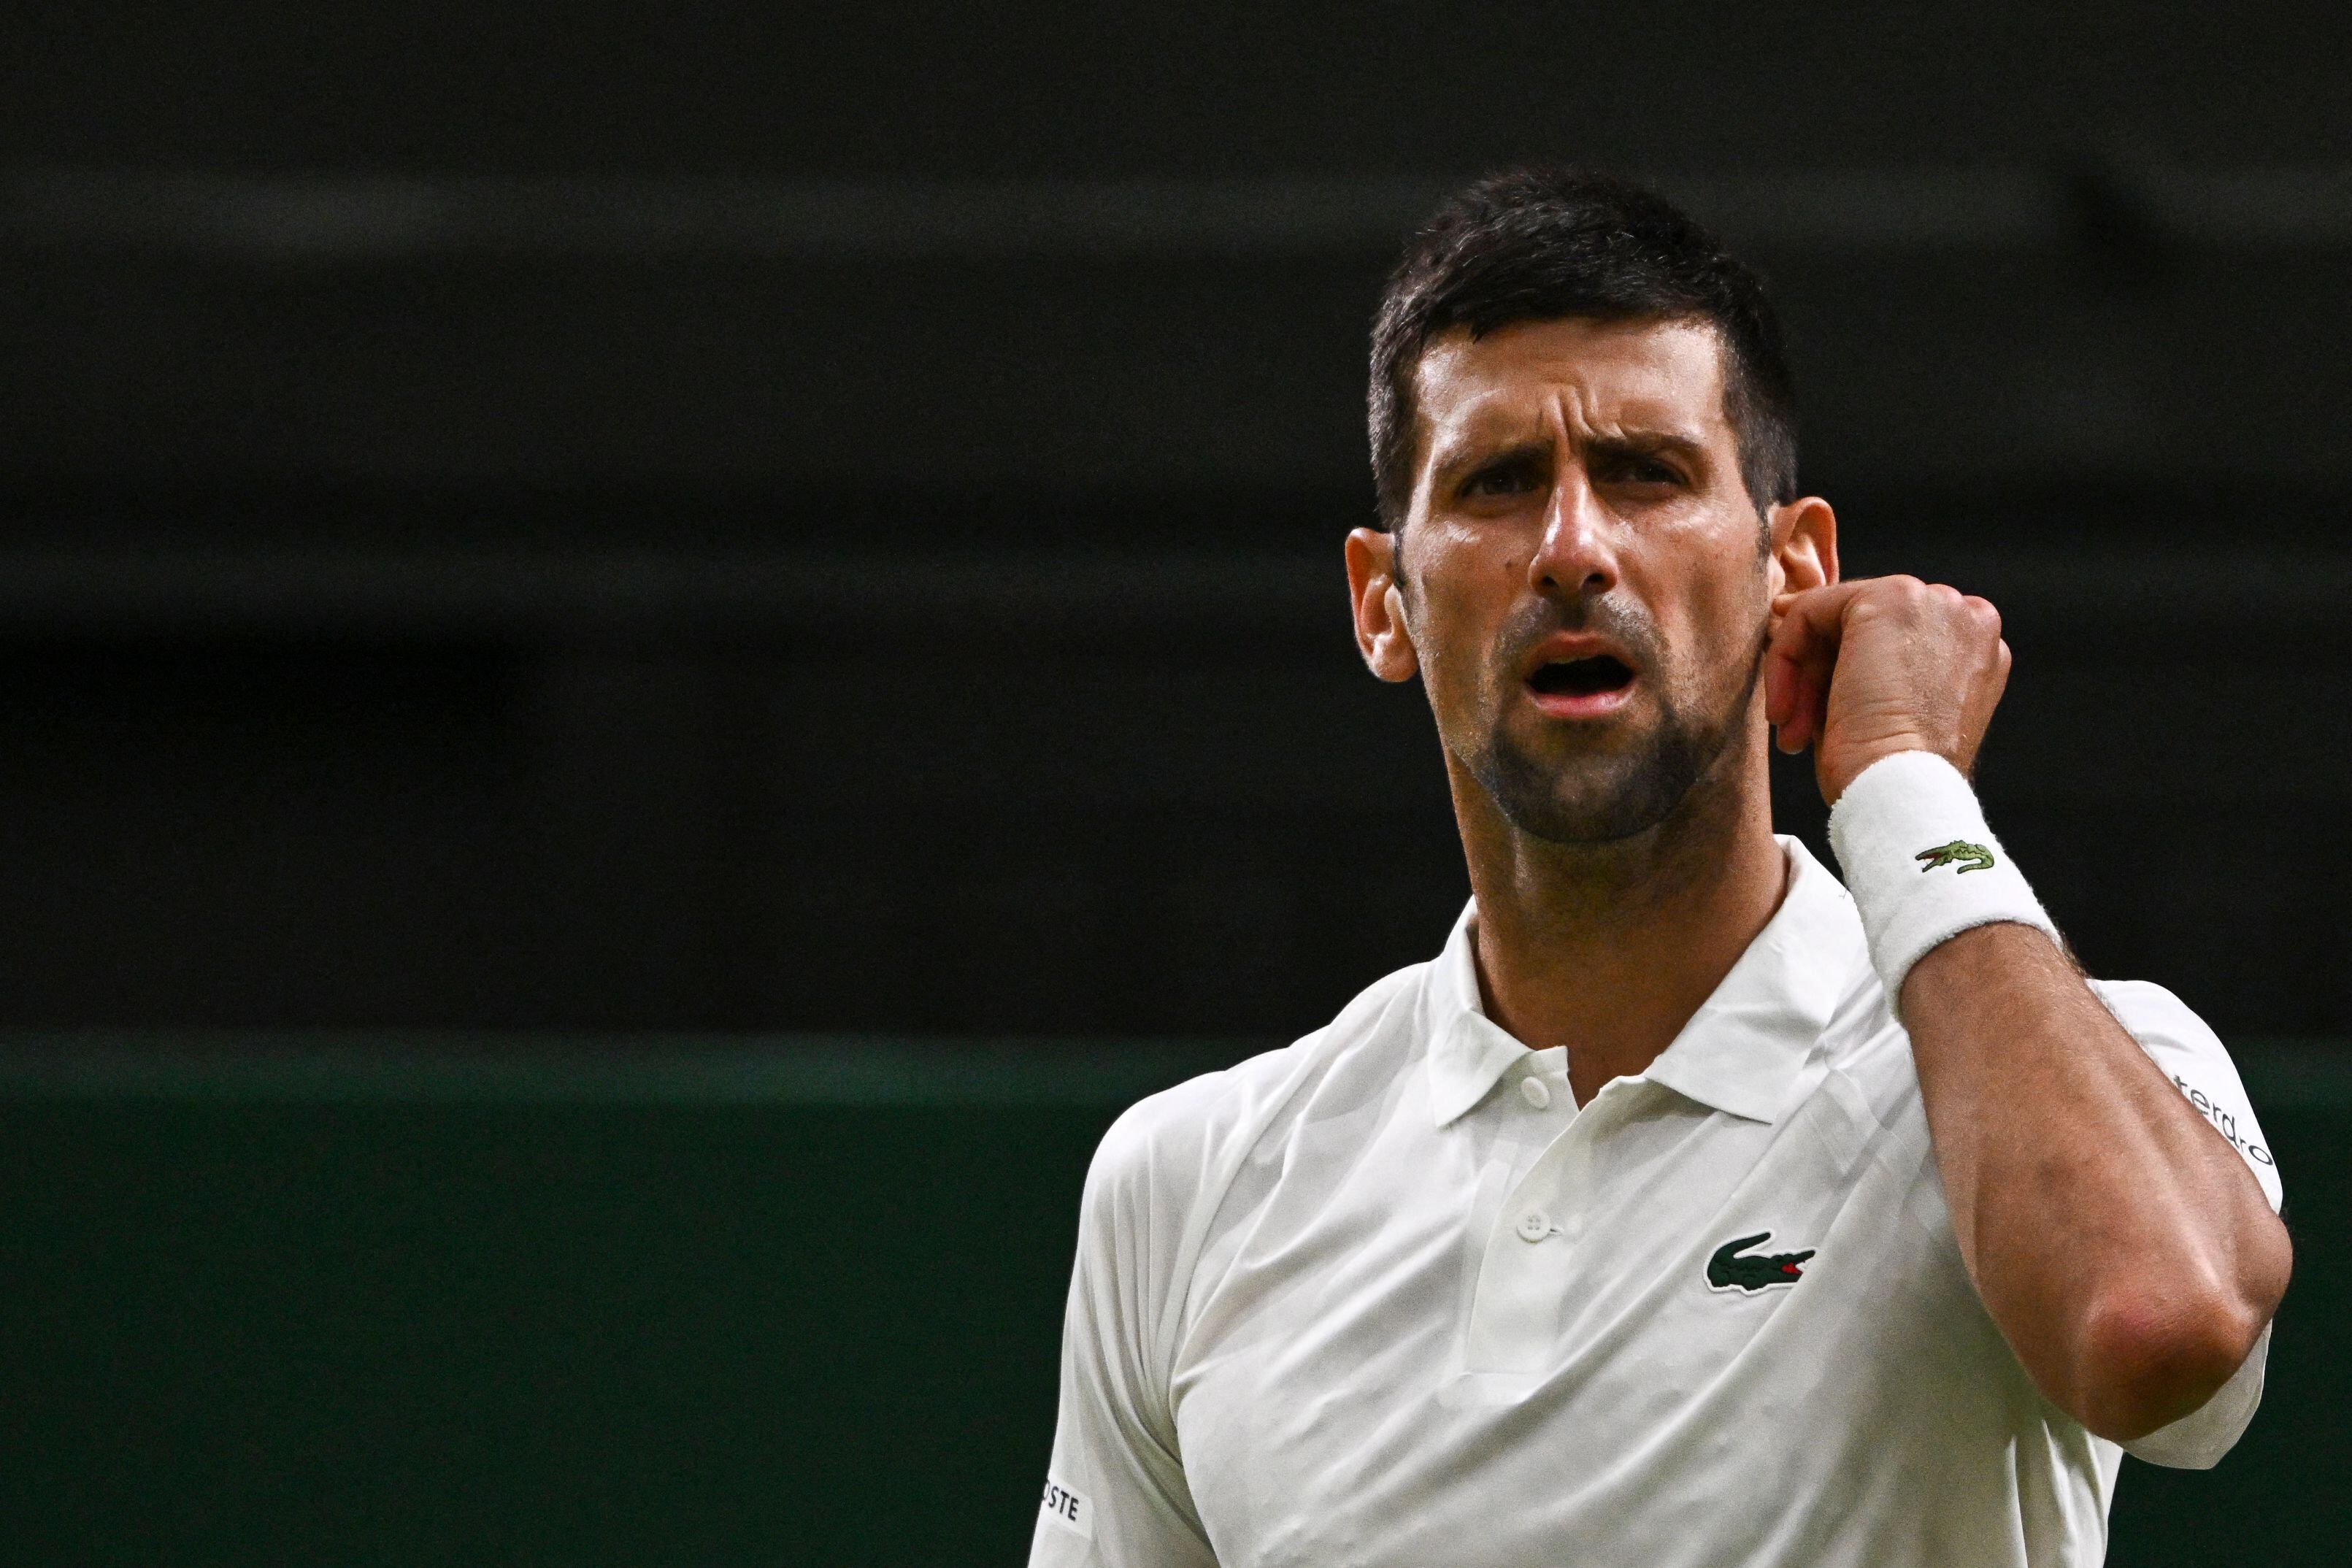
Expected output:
{"points": [[1887, 595]]}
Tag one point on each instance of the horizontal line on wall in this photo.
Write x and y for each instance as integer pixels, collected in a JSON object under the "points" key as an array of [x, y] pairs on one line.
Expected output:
{"points": [[332, 219], [732, 592], [653, 1070], [756, 593], [779, 1071]]}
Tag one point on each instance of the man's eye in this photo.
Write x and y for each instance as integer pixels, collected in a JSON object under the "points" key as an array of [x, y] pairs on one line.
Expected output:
{"points": [[1648, 471], [1510, 481]]}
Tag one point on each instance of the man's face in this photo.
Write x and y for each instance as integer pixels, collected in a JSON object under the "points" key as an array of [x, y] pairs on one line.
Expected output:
{"points": [[1585, 581]]}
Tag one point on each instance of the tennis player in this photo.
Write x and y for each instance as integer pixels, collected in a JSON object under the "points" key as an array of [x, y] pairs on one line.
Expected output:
{"points": [[1690, 1208]]}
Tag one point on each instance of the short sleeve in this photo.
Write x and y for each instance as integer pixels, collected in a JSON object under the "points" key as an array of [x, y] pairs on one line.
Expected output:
{"points": [[1115, 1493], [2198, 1440], [2193, 1057]]}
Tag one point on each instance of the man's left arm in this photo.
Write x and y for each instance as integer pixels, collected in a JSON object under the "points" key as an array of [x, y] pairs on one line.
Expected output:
{"points": [[2125, 1250], [2127, 1253]]}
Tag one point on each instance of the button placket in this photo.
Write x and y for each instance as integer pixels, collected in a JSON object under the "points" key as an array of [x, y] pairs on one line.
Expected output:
{"points": [[1579, 1148], [1523, 1288], [1523, 1277]]}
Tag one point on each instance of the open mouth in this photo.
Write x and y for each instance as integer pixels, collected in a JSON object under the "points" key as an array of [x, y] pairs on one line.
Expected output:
{"points": [[1591, 677]]}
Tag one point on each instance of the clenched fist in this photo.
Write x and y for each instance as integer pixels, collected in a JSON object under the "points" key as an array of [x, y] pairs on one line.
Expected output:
{"points": [[1863, 669]]}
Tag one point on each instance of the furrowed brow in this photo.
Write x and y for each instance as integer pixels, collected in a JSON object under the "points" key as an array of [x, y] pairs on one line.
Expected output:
{"points": [[1462, 458], [1648, 443]]}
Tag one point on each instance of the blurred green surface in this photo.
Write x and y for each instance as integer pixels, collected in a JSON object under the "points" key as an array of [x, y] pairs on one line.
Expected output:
{"points": [[368, 1302]]}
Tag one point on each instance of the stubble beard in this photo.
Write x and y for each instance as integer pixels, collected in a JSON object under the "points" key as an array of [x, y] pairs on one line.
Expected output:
{"points": [[1606, 798]]}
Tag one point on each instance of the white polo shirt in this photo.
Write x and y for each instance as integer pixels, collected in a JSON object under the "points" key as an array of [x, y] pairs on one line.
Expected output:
{"points": [[1388, 1297]]}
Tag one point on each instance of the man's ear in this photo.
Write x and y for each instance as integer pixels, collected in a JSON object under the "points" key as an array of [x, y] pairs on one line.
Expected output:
{"points": [[1804, 546], [1381, 635]]}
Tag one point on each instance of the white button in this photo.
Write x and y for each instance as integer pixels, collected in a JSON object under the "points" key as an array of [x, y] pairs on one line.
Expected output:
{"points": [[1534, 1092], [1534, 1226]]}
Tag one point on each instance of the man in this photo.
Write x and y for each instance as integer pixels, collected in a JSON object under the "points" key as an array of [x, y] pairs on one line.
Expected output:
{"points": [[1688, 1208]]}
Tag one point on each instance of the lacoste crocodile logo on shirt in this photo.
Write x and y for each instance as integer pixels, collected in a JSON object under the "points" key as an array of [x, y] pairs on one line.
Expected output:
{"points": [[1979, 859], [1725, 1270]]}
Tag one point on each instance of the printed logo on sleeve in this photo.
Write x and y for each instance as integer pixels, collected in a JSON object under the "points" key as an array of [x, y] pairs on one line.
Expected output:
{"points": [[1068, 1508], [2223, 1121]]}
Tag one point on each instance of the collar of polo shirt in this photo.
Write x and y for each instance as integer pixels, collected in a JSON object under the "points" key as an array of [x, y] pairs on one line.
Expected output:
{"points": [[1740, 1053]]}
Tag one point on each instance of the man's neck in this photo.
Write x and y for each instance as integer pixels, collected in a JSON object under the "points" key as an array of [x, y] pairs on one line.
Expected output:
{"points": [[1609, 949]]}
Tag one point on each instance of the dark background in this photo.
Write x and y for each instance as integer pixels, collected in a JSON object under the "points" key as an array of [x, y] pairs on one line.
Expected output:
{"points": [[739, 518], [530, 524]]}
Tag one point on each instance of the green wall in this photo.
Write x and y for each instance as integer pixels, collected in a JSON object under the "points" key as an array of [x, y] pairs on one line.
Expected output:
{"points": [[269, 1301]]}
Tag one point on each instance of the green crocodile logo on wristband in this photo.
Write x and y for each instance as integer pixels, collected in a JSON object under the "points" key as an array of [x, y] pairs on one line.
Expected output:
{"points": [[1952, 854]]}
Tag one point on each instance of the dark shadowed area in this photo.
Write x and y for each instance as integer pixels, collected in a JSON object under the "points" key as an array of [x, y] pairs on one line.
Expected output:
{"points": [[562, 553]]}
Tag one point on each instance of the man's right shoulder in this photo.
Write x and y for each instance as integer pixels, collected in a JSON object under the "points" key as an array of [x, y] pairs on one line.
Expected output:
{"points": [[1176, 1142]]}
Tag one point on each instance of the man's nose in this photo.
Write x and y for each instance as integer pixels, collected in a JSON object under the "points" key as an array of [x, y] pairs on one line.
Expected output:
{"points": [[1577, 552]]}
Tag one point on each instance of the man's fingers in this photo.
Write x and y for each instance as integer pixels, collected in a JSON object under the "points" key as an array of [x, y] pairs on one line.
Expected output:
{"points": [[1806, 626], [1819, 610], [1779, 684], [1801, 658], [1792, 699], [1780, 694], [1933, 671]]}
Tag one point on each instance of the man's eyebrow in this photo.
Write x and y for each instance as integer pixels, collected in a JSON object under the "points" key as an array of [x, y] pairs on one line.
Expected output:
{"points": [[1466, 454], [1646, 442]]}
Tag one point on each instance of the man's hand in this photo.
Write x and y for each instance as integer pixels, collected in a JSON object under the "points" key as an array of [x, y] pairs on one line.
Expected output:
{"points": [[2068, 1160], [1865, 668]]}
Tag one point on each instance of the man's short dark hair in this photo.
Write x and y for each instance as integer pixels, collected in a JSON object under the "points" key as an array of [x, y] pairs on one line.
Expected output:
{"points": [[1550, 244]]}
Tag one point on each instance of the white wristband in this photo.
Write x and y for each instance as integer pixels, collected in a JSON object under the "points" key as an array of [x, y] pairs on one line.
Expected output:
{"points": [[1921, 864]]}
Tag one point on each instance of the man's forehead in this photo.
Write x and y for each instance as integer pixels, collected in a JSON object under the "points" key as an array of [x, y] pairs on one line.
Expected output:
{"points": [[1654, 375]]}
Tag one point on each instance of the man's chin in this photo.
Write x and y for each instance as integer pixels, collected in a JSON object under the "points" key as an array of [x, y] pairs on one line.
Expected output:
{"points": [[1585, 823], [1597, 794], [1584, 771], [1588, 811]]}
